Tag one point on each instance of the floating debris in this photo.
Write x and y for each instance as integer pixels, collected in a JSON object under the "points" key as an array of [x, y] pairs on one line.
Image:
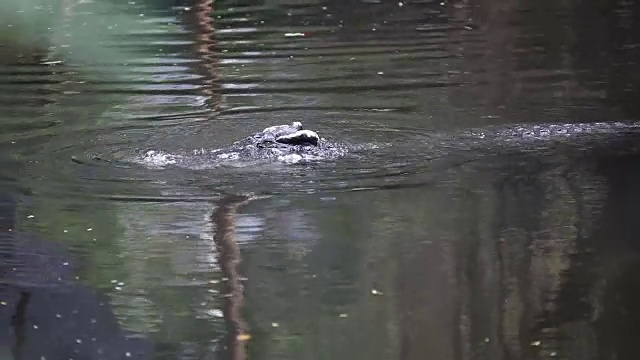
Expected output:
{"points": [[243, 337], [376, 292]]}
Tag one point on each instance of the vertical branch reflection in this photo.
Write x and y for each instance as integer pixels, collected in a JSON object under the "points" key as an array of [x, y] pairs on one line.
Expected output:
{"points": [[18, 323], [205, 45], [229, 259]]}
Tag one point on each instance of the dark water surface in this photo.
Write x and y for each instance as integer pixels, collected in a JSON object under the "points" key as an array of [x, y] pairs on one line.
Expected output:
{"points": [[485, 205]]}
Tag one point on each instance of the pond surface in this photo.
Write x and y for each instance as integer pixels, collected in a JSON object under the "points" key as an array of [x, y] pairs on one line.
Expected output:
{"points": [[484, 204]]}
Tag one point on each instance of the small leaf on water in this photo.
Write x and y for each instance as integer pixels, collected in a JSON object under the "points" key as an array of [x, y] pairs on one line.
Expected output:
{"points": [[243, 337]]}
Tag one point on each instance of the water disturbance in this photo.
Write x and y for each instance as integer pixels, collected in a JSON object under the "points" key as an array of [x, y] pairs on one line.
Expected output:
{"points": [[473, 198]]}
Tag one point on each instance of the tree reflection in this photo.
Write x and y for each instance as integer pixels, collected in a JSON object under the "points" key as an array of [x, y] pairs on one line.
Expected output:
{"points": [[229, 258]]}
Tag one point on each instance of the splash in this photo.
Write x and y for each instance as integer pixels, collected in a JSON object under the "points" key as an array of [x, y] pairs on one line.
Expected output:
{"points": [[158, 159]]}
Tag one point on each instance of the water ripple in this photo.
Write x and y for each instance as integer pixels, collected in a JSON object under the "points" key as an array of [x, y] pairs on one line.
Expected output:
{"points": [[185, 79]]}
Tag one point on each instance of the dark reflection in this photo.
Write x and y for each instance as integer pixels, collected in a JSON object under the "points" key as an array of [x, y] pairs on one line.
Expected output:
{"points": [[607, 44], [18, 322], [600, 300], [536, 268], [572, 65], [44, 313]]}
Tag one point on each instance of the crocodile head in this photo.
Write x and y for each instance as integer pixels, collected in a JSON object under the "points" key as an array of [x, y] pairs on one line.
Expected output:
{"points": [[292, 134]]}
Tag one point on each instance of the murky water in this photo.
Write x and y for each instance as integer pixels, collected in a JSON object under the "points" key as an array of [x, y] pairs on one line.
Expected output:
{"points": [[480, 204]]}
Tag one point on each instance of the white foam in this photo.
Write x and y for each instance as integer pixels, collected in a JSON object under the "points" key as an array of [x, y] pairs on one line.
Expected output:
{"points": [[159, 159], [290, 158]]}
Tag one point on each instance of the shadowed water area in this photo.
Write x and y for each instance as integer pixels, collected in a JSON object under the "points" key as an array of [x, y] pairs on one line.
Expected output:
{"points": [[475, 196]]}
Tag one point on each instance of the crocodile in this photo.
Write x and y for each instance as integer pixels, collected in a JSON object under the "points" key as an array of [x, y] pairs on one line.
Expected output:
{"points": [[292, 143], [293, 134], [279, 143]]}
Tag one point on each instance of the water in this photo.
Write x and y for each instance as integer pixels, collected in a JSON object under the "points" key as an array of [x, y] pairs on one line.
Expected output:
{"points": [[483, 206]]}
